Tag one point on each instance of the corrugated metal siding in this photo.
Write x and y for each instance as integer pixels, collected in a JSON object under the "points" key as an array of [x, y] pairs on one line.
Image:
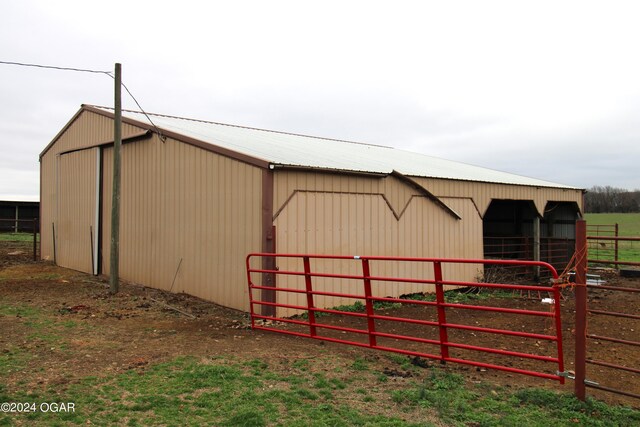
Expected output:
{"points": [[48, 205], [107, 186], [189, 214], [76, 210], [398, 193], [357, 215], [351, 215], [86, 130], [483, 193], [178, 202], [393, 191]]}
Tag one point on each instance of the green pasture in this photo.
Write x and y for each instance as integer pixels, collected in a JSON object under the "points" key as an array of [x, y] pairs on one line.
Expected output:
{"points": [[628, 226], [17, 237], [628, 223]]}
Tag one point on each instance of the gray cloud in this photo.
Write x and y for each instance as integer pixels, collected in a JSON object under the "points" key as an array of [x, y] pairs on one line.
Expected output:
{"points": [[559, 104]]}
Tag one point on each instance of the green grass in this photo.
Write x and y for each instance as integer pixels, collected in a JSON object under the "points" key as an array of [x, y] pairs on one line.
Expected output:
{"points": [[17, 237], [459, 405], [226, 392], [628, 225], [218, 392]]}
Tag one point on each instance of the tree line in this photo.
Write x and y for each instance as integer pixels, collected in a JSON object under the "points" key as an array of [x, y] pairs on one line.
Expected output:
{"points": [[609, 199]]}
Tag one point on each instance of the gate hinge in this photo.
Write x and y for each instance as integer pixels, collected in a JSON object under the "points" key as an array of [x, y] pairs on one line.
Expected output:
{"points": [[572, 376]]}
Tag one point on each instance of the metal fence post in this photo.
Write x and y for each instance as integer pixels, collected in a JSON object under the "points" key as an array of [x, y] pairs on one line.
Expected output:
{"points": [[309, 289], [35, 233], [442, 316], [371, 323], [581, 308]]}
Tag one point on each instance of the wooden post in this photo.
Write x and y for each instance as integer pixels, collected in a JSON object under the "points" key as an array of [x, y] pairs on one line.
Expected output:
{"points": [[114, 284], [581, 308]]}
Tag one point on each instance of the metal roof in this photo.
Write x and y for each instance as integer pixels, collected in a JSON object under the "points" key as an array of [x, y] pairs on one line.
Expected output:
{"points": [[281, 149]]}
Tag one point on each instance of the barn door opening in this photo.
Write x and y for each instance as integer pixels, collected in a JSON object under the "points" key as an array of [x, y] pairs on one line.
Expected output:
{"points": [[508, 229], [558, 232], [513, 229]]}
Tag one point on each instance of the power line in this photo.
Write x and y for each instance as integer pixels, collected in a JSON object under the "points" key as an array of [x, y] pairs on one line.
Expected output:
{"points": [[84, 70], [52, 67], [162, 137]]}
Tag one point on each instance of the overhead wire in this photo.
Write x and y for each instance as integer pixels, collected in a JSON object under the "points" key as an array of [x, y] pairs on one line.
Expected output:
{"points": [[162, 137], [53, 67], [85, 70]]}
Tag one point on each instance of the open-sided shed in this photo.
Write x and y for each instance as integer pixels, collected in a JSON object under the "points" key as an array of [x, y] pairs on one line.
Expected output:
{"points": [[18, 215], [198, 196]]}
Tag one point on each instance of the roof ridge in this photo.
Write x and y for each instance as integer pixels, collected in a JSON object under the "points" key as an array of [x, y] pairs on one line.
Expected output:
{"points": [[243, 127]]}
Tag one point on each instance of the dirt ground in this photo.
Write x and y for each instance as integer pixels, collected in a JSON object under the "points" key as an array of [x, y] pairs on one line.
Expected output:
{"points": [[141, 326]]}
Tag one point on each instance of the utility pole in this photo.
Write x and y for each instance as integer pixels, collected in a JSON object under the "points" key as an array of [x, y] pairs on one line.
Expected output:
{"points": [[114, 283]]}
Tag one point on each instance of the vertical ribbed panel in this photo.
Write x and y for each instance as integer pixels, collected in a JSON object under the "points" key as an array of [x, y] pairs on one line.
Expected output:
{"points": [[350, 215], [48, 204], [86, 130], [363, 224], [107, 185], [178, 202], [287, 182], [76, 210], [354, 215], [186, 214]]}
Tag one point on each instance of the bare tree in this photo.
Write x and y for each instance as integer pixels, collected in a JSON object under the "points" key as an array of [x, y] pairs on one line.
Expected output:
{"points": [[609, 199]]}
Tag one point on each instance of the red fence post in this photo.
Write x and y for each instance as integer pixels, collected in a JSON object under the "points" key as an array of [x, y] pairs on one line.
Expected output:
{"points": [[581, 308], [442, 316], [309, 288], [269, 279], [371, 323]]}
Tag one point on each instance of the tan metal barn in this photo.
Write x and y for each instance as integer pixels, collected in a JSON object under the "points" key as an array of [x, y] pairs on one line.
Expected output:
{"points": [[198, 196]]}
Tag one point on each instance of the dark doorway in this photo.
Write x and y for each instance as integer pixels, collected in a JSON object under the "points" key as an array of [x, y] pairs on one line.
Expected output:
{"points": [[509, 230]]}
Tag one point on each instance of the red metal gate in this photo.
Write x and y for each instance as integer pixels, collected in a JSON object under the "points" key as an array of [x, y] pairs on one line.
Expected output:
{"points": [[583, 336], [309, 324]]}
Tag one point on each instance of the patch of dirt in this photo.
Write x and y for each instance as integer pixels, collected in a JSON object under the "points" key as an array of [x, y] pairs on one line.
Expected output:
{"points": [[138, 327], [602, 325]]}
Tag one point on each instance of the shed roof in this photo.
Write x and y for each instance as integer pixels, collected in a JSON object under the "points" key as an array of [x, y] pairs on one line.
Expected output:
{"points": [[281, 149]]}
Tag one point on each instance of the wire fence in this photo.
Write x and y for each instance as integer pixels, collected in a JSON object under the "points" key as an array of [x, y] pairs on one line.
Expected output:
{"points": [[553, 250], [21, 230], [606, 246]]}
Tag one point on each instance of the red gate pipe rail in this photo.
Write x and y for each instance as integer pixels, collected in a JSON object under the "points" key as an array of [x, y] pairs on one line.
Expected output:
{"points": [[368, 281]]}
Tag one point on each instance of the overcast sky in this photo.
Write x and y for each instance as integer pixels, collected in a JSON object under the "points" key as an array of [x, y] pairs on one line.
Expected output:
{"points": [[543, 89]]}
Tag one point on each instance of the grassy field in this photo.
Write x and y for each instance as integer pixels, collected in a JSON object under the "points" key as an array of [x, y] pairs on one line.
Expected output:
{"points": [[17, 237], [628, 225], [226, 391], [66, 342]]}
